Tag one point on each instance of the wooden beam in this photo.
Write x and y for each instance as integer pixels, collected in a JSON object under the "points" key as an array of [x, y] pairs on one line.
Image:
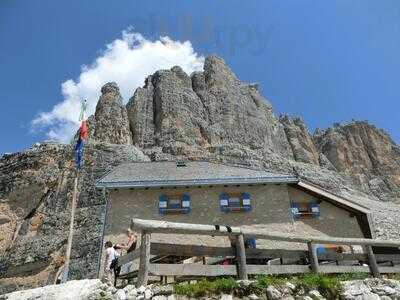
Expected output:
{"points": [[342, 256], [277, 269], [230, 270], [183, 228], [389, 270], [129, 257], [197, 250], [143, 274], [329, 269], [241, 257], [312, 255], [387, 257], [275, 253], [189, 250], [187, 228], [364, 224], [192, 270], [373, 265], [222, 270]]}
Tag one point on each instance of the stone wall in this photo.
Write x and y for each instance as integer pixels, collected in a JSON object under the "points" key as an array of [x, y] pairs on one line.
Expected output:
{"points": [[269, 205], [270, 210], [333, 221]]}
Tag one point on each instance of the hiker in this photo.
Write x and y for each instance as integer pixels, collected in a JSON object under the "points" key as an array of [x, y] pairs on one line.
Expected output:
{"points": [[110, 259], [131, 242], [129, 246]]}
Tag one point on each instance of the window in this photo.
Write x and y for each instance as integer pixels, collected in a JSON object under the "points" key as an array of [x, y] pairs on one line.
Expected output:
{"points": [[235, 202], [178, 203], [303, 210]]}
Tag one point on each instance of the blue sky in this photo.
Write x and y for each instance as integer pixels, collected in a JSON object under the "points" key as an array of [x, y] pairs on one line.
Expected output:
{"points": [[326, 61]]}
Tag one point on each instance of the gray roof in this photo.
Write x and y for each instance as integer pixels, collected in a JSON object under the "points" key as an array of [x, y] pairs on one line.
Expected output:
{"points": [[339, 200], [166, 173]]}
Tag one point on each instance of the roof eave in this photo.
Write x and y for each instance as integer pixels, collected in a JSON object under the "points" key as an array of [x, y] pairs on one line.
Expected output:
{"points": [[335, 198], [199, 182]]}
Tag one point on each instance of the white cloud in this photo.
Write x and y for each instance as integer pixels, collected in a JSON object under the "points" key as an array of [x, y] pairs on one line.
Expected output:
{"points": [[127, 61]]}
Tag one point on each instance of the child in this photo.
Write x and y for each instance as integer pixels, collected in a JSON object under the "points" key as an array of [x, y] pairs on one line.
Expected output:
{"points": [[111, 254]]}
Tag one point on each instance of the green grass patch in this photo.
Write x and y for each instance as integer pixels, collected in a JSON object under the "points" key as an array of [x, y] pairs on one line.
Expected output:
{"points": [[225, 285], [328, 285], [206, 287], [317, 281], [264, 281]]}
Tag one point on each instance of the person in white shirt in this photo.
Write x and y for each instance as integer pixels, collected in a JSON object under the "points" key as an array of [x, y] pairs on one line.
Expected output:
{"points": [[111, 254]]}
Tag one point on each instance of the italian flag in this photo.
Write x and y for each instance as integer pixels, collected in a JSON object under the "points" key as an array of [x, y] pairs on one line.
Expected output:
{"points": [[83, 135], [83, 130]]}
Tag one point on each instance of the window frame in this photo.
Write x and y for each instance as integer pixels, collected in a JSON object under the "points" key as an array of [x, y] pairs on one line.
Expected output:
{"points": [[235, 196], [174, 198], [180, 208], [302, 213], [225, 197]]}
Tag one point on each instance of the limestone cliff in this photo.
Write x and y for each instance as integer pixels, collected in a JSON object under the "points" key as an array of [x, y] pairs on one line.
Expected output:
{"points": [[300, 140], [110, 123], [207, 115], [35, 196], [366, 153]]}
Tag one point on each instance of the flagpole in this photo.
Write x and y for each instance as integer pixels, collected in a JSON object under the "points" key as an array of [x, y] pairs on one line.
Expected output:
{"points": [[82, 137], [71, 229]]}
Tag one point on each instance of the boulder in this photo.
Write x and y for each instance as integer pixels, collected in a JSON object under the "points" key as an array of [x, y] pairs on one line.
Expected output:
{"points": [[315, 295], [120, 295], [273, 293], [72, 290]]}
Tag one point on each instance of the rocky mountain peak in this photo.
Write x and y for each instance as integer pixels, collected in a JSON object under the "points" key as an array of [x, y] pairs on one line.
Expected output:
{"points": [[360, 145], [365, 152], [110, 123], [217, 71], [110, 87], [202, 115]]}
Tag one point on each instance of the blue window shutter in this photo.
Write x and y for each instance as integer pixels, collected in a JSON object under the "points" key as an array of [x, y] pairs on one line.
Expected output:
{"points": [[186, 205], [294, 210], [162, 204], [314, 209], [224, 202], [246, 201]]}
